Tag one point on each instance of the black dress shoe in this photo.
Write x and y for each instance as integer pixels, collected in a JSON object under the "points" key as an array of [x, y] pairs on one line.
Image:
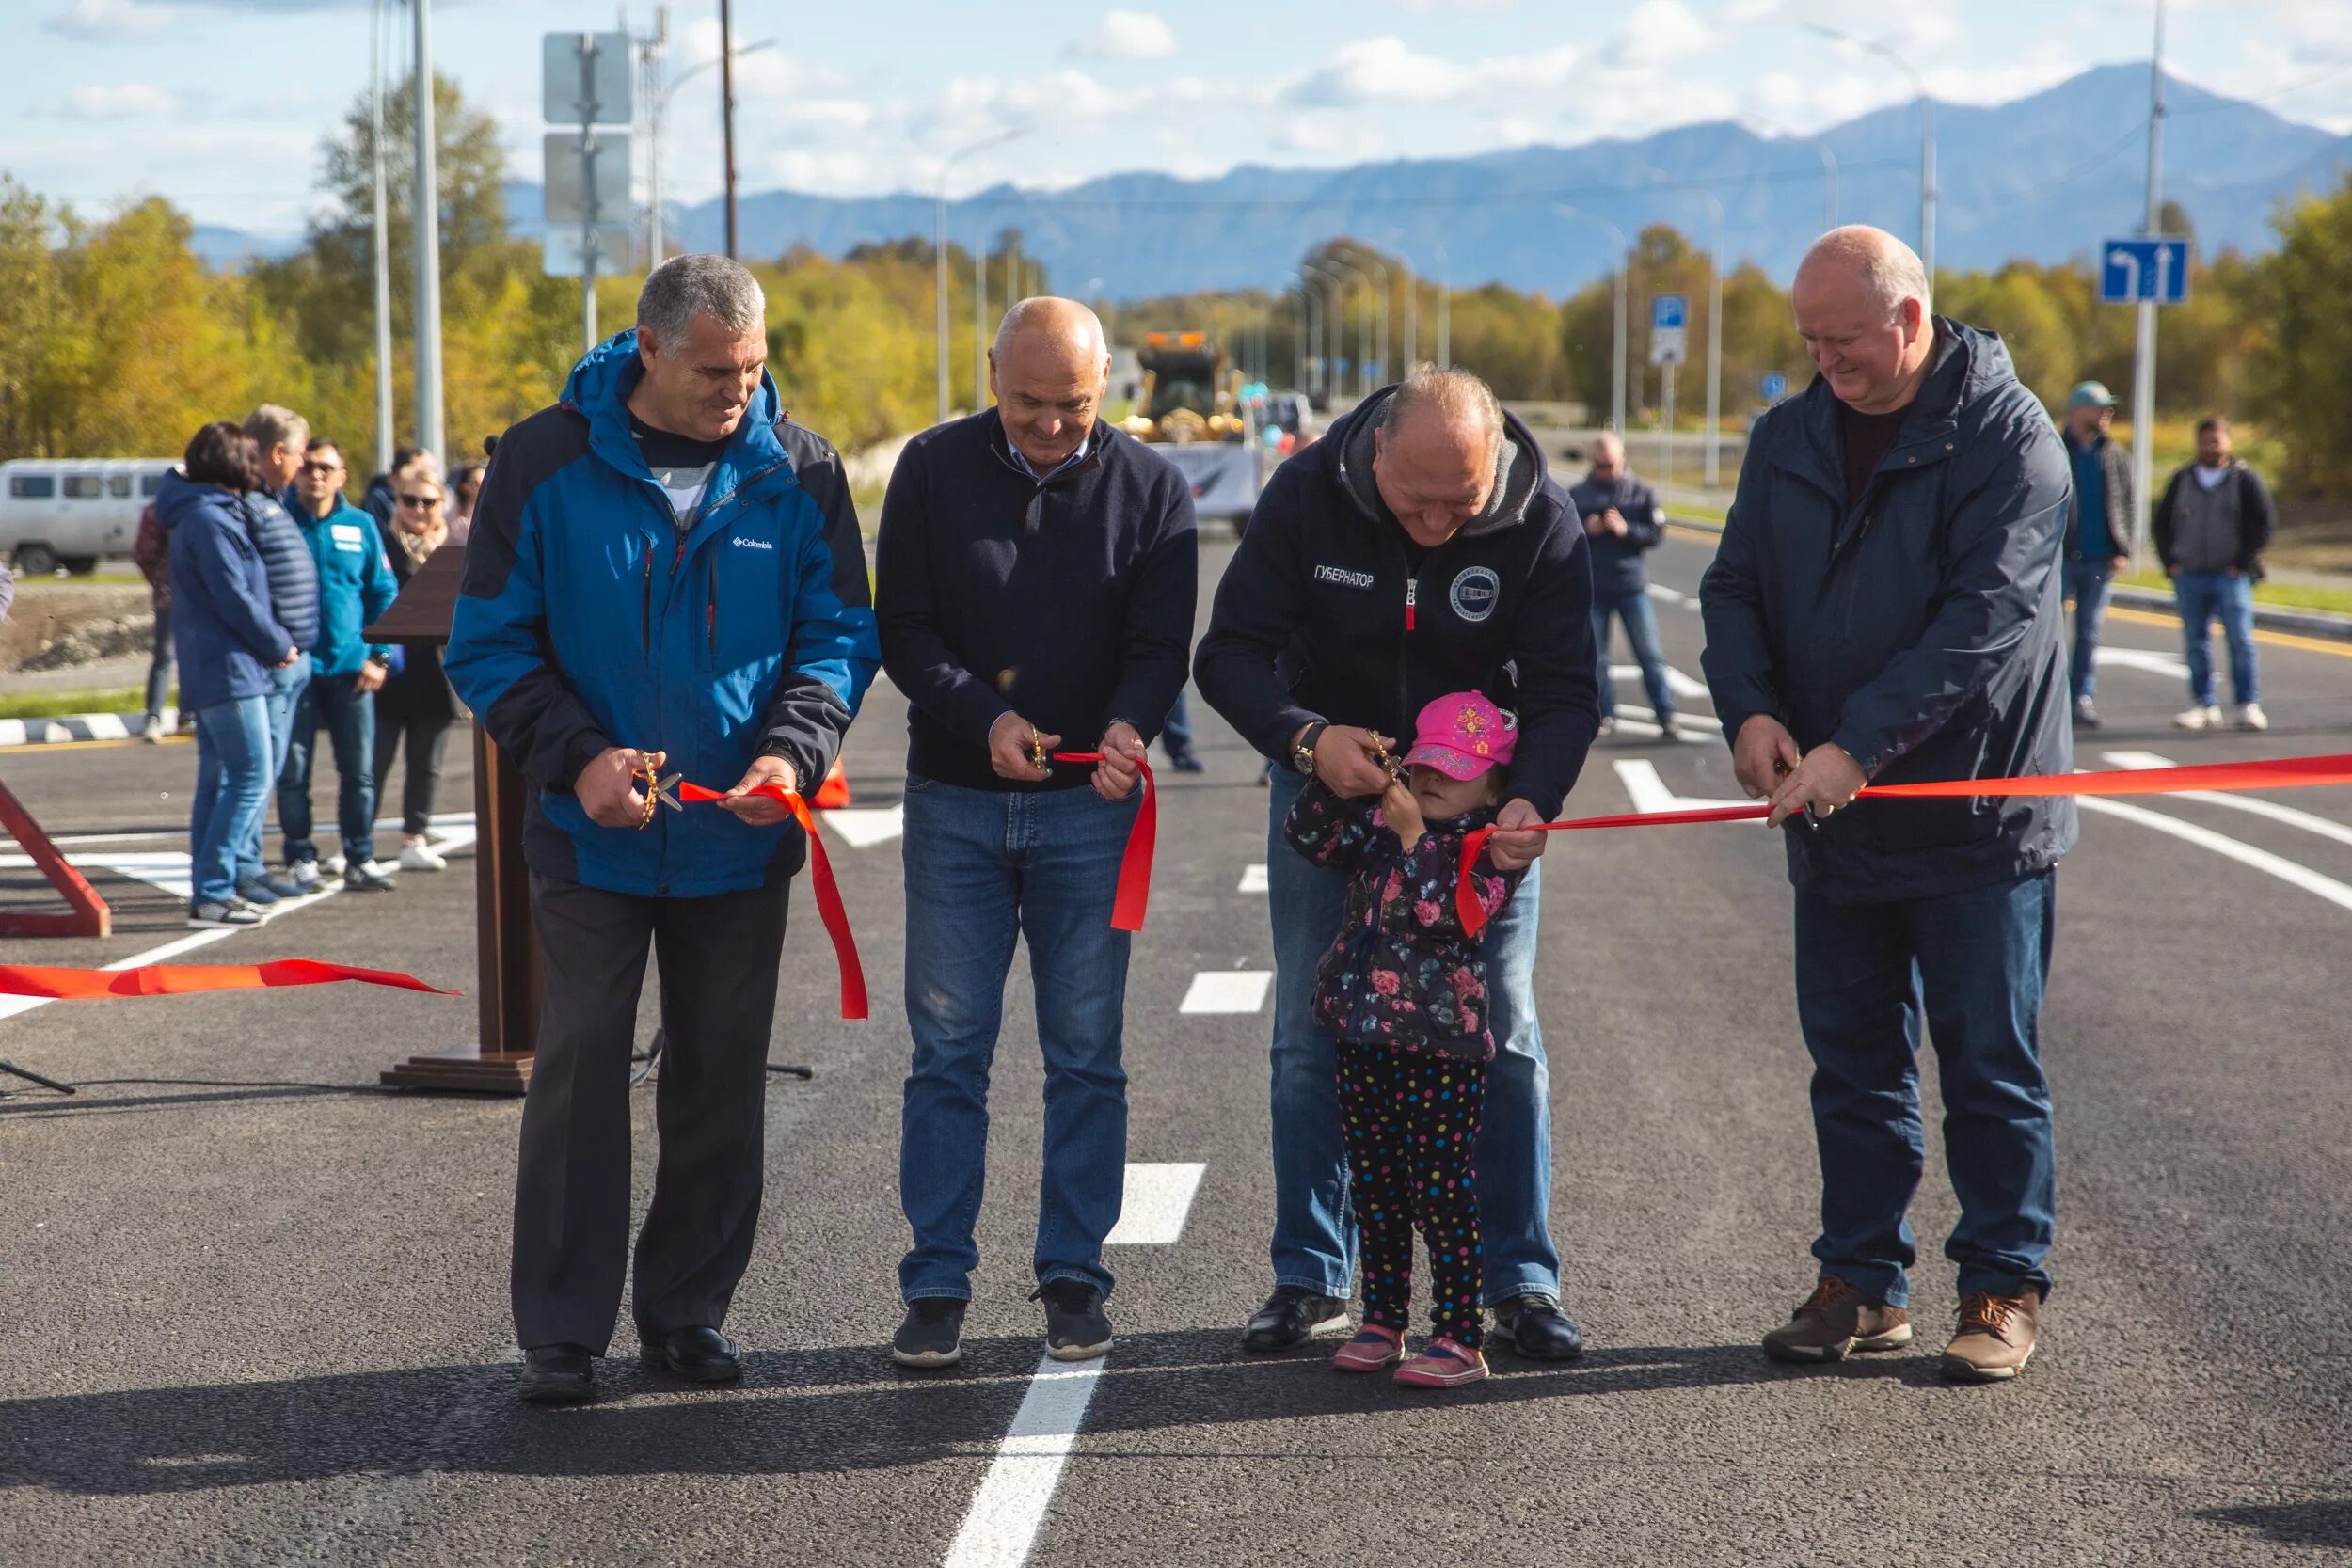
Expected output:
{"points": [[1292, 1316], [557, 1374], [1537, 1329], [697, 1354]]}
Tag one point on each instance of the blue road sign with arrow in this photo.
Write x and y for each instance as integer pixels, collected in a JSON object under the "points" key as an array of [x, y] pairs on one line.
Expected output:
{"points": [[1775, 387], [2134, 270]]}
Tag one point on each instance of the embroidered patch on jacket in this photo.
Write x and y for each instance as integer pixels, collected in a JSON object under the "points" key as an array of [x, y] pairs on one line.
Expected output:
{"points": [[1475, 593], [1342, 577]]}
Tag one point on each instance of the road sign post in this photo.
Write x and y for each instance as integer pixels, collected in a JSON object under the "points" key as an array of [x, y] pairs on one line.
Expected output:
{"points": [[1775, 387], [1669, 346], [586, 85], [2144, 271]]}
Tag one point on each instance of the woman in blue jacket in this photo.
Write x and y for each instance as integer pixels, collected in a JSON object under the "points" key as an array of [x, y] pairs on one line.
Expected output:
{"points": [[227, 642]]}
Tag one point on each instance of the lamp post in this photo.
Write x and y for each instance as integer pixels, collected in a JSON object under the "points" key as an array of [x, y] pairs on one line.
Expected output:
{"points": [[1927, 139], [424, 208], [384, 438], [1381, 356], [1334, 327], [939, 248], [2144, 349], [1445, 310], [1412, 300], [1616, 385], [660, 117], [1714, 335], [1363, 326]]}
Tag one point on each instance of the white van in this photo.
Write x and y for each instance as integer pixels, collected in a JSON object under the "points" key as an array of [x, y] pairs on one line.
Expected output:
{"points": [[69, 511]]}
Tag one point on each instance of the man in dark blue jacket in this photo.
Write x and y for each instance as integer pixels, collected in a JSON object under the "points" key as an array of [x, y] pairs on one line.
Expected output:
{"points": [[1886, 608], [1035, 580], [1623, 522], [665, 579], [355, 586], [1418, 548], [294, 599]]}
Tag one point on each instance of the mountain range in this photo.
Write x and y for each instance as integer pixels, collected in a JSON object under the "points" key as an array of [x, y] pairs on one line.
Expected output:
{"points": [[2045, 177]]}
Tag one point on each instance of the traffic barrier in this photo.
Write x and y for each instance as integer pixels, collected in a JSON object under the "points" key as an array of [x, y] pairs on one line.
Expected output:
{"points": [[90, 917]]}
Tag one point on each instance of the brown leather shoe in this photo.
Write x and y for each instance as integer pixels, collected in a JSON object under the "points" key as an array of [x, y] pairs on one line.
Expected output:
{"points": [[1995, 1338], [1836, 1320]]}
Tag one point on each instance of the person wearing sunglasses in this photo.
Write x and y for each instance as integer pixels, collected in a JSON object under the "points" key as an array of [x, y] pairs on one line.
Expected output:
{"points": [[356, 587], [416, 707]]}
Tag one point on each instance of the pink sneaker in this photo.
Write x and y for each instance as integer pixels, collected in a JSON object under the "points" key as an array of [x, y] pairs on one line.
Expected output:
{"points": [[1443, 1362], [1375, 1348]]}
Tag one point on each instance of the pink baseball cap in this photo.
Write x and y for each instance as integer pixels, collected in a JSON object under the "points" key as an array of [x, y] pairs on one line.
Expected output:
{"points": [[1463, 735]]}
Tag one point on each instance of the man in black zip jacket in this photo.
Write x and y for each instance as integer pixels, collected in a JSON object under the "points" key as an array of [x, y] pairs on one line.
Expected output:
{"points": [[1034, 586], [1418, 548]]}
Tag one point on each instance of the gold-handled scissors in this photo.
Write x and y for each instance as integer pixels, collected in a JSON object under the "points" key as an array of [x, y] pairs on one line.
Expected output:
{"points": [[1037, 749], [659, 791], [1388, 765]]}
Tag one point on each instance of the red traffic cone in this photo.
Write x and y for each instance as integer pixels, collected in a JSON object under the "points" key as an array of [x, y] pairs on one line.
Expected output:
{"points": [[834, 791]]}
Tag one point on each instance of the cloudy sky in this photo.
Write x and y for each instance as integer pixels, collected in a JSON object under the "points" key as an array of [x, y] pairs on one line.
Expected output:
{"points": [[220, 104]]}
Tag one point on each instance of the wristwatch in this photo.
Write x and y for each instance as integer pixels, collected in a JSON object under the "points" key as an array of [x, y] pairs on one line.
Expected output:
{"points": [[1303, 749]]}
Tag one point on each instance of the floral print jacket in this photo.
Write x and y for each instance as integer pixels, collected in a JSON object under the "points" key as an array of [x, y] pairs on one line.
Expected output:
{"points": [[1402, 974]]}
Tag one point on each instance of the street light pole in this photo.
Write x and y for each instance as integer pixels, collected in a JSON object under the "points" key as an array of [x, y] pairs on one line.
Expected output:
{"points": [[1445, 310], [939, 248], [426, 209], [1616, 385], [727, 110], [1382, 357], [1926, 138], [2144, 350], [1334, 327]]}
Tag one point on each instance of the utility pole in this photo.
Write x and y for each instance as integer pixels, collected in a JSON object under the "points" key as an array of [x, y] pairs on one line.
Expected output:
{"points": [[651, 93], [384, 437], [2144, 351], [726, 108], [425, 208]]}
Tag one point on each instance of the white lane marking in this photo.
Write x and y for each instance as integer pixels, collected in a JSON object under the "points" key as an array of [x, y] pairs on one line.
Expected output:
{"points": [[2250, 804], [1664, 594], [863, 827], [2220, 844], [1677, 682], [1010, 1505], [2135, 658], [1643, 721], [1227, 991], [1155, 1204], [1252, 878], [1652, 796]]}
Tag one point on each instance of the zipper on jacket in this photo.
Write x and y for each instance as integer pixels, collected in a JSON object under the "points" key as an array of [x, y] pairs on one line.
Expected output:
{"points": [[1412, 593], [645, 610], [710, 611]]}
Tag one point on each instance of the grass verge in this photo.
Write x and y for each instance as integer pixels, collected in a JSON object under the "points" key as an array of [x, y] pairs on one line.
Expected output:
{"points": [[56, 705]]}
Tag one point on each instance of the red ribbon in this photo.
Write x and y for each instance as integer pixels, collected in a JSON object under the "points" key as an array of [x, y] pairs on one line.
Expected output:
{"points": [[86, 984], [829, 907], [1134, 865], [2286, 773]]}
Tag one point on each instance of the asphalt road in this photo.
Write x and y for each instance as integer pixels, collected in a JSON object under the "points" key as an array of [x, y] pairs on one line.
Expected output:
{"points": [[257, 1307]]}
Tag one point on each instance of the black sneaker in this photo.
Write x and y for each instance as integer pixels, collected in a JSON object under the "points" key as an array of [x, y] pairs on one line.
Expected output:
{"points": [[1186, 761], [932, 1335], [1537, 1329], [366, 879], [2086, 715], [1292, 1316], [1076, 1328], [557, 1374], [228, 914]]}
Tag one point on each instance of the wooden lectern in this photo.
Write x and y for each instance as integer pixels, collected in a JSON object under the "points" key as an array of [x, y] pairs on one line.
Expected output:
{"points": [[506, 949]]}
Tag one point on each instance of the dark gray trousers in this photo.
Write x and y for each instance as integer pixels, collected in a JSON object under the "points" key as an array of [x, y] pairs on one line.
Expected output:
{"points": [[718, 958]]}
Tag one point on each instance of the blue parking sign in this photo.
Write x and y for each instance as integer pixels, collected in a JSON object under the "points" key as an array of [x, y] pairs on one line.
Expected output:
{"points": [[1775, 387]]}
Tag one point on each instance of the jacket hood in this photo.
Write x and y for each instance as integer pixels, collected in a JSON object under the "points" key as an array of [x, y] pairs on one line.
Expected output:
{"points": [[599, 388], [1970, 385], [1519, 468], [180, 497]]}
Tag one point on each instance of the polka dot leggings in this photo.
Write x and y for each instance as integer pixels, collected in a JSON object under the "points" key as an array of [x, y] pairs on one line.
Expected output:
{"points": [[1411, 1120]]}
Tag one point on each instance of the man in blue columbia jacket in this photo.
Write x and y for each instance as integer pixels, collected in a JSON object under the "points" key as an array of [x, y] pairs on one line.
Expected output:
{"points": [[1884, 607], [665, 576], [355, 586]]}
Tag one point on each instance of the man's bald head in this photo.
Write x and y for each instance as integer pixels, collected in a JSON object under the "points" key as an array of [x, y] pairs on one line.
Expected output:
{"points": [[1436, 453], [1607, 455], [1862, 305], [1049, 369]]}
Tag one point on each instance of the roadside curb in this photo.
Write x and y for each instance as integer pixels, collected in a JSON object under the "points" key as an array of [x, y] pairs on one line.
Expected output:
{"points": [[2310, 623], [79, 726]]}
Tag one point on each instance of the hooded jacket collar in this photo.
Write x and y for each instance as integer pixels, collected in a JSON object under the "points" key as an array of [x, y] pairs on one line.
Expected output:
{"points": [[1519, 468], [1966, 365], [598, 389]]}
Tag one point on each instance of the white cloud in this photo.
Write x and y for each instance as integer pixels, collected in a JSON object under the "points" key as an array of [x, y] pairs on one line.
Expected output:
{"points": [[105, 19], [1378, 71], [1129, 36], [120, 101], [1660, 32]]}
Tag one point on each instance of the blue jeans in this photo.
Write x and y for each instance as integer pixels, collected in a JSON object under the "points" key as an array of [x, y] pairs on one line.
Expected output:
{"points": [[1314, 1223], [983, 866], [1972, 967], [2087, 585], [1176, 734], [350, 720], [286, 688], [232, 775], [159, 665], [2204, 596], [1641, 630]]}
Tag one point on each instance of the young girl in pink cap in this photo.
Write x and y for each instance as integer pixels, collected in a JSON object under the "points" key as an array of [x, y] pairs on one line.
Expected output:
{"points": [[1405, 991]]}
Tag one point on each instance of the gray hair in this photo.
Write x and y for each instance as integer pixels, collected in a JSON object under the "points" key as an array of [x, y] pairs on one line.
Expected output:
{"points": [[273, 426], [685, 287], [1890, 272], [1454, 394], [1046, 311]]}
